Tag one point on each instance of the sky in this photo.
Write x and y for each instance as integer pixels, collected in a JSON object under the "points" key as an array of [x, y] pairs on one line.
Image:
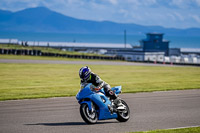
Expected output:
{"points": [[167, 13]]}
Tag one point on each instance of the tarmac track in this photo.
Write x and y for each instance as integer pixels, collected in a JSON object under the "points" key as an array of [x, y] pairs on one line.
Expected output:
{"points": [[149, 111], [79, 62]]}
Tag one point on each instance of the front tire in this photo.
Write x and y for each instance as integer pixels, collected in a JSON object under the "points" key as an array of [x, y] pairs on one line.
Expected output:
{"points": [[88, 116], [123, 116]]}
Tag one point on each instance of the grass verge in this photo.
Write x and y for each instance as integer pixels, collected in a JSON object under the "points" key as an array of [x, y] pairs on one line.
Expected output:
{"points": [[181, 130], [28, 57], [25, 81]]}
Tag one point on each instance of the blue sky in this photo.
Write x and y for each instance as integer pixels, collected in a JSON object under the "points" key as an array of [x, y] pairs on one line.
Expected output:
{"points": [[166, 13]]}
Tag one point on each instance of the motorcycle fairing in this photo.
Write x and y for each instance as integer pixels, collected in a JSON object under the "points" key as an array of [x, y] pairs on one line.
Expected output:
{"points": [[103, 111]]}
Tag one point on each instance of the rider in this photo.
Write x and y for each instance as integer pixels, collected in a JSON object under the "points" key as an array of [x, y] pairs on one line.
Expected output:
{"points": [[87, 76]]}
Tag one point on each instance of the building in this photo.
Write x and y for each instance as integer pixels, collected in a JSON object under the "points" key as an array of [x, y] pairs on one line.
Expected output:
{"points": [[140, 56], [190, 51], [155, 43], [153, 48], [174, 52]]}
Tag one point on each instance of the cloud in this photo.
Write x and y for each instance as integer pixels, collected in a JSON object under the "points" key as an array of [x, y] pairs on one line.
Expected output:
{"points": [[196, 17], [185, 4], [178, 16], [198, 2], [114, 2]]}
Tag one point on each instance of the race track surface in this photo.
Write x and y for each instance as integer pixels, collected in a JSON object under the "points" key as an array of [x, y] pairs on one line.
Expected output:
{"points": [[80, 62], [149, 111]]}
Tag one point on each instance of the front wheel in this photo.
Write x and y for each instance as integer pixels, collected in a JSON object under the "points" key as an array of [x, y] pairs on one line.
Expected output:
{"points": [[124, 115], [88, 116]]}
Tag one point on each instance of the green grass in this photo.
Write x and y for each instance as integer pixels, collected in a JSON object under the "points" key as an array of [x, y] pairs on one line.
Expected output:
{"points": [[25, 81], [182, 130], [27, 57]]}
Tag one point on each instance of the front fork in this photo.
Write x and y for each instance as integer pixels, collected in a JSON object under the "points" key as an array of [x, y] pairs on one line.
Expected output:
{"points": [[90, 106]]}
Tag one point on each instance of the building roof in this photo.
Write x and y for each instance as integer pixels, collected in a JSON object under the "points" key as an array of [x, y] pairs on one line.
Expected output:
{"points": [[70, 44], [190, 50], [9, 40], [81, 45]]}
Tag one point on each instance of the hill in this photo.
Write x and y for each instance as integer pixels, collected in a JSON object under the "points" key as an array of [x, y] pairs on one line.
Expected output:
{"points": [[42, 19]]}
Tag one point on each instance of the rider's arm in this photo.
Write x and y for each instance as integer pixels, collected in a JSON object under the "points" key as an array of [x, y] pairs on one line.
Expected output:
{"points": [[83, 84], [100, 82]]}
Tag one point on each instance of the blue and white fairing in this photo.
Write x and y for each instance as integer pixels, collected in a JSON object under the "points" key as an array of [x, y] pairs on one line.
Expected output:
{"points": [[98, 98]]}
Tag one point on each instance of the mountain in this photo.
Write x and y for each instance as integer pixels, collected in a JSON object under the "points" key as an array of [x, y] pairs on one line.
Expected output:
{"points": [[42, 19]]}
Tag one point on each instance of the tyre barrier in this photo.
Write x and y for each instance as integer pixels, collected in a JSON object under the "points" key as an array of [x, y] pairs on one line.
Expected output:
{"points": [[40, 53]]}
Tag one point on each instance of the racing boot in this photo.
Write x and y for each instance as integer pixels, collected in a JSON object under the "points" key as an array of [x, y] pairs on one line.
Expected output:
{"points": [[111, 109]]}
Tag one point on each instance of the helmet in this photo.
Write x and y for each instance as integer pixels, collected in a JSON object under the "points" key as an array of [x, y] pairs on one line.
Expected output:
{"points": [[84, 73]]}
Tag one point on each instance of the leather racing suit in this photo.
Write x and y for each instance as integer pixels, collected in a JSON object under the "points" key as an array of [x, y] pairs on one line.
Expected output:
{"points": [[99, 83]]}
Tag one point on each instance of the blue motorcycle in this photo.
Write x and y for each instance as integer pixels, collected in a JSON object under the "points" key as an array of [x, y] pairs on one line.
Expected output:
{"points": [[96, 106]]}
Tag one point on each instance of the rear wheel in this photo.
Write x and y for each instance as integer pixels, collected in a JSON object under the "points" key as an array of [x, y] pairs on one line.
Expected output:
{"points": [[124, 115], [88, 116]]}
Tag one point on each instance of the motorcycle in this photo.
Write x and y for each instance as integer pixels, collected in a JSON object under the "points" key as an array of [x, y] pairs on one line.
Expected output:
{"points": [[96, 106]]}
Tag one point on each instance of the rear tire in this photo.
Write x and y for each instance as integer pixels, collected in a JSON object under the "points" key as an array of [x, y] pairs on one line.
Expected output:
{"points": [[125, 115], [88, 116]]}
